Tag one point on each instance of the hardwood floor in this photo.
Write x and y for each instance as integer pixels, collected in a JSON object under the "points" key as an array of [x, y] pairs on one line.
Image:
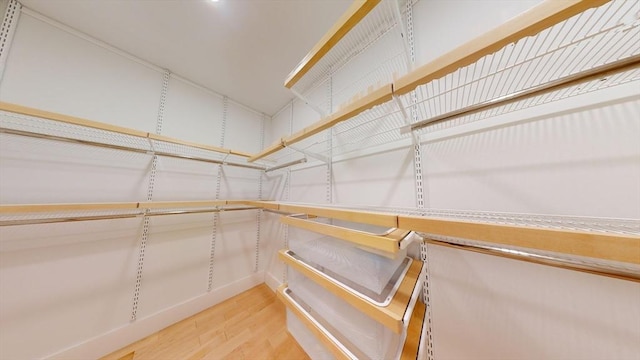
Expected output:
{"points": [[250, 326]]}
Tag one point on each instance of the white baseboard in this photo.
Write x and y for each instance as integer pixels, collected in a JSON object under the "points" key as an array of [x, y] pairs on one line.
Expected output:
{"points": [[123, 336], [272, 281]]}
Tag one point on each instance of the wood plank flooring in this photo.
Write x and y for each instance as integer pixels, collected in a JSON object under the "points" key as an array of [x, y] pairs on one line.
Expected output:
{"points": [[250, 326]]}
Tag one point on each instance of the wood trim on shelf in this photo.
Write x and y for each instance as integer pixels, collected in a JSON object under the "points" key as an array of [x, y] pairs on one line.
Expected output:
{"points": [[615, 247], [319, 334], [265, 204], [385, 243], [277, 146], [37, 208], [414, 332], [67, 119], [181, 204], [372, 98], [354, 14], [359, 216], [23, 110], [529, 23], [390, 316]]}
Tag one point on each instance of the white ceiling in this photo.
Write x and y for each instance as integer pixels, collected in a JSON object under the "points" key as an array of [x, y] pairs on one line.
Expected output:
{"points": [[240, 48]]}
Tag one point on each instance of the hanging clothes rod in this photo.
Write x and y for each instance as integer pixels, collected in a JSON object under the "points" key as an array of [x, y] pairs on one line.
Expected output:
{"points": [[295, 162], [540, 259], [602, 71], [31, 134], [117, 216]]}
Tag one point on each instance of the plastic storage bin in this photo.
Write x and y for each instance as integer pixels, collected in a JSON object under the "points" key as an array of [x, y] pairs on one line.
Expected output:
{"points": [[374, 276], [360, 334]]}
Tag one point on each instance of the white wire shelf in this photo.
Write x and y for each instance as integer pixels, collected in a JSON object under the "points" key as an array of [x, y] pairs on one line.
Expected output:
{"points": [[14, 126], [594, 39], [380, 21]]}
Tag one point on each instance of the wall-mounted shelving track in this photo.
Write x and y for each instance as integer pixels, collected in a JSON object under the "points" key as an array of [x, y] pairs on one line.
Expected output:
{"points": [[17, 120], [554, 51]]}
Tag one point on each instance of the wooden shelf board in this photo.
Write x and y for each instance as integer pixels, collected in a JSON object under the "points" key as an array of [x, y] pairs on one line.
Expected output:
{"points": [[359, 216], [354, 14], [414, 332], [623, 248], [389, 243], [390, 315]]}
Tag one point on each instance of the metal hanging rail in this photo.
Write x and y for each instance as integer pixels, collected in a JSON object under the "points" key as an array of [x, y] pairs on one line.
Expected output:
{"points": [[540, 259], [123, 148], [17, 109], [559, 84], [534, 21], [141, 210]]}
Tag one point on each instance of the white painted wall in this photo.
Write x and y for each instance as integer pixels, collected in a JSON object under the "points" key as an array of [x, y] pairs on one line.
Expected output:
{"points": [[576, 157], [67, 288]]}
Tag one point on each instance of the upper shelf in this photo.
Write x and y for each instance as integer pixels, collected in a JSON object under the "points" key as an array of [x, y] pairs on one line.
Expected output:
{"points": [[556, 50], [17, 120], [363, 23], [24, 214]]}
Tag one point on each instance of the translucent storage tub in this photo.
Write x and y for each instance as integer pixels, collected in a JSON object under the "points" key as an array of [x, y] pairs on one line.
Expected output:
{"points": [[309, 342], [356, 331], [374, 276]]}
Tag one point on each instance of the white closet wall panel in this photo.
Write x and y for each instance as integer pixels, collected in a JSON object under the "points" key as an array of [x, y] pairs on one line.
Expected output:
{"points": [[43, 171], [384, 179], [584, 162], [176, 266], [180, 179], [243, 129], [60, 286], [274, 268], [279, 125], [309, 185], [303, 114], [239, 183], [442, 25], [192, 114], [53, 70], [485, 307], [373, 67], [235, 247]]}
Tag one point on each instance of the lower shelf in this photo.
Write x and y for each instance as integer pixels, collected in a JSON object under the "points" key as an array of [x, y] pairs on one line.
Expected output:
{"points": [[394, 316], [337, 344], [321, 333]]}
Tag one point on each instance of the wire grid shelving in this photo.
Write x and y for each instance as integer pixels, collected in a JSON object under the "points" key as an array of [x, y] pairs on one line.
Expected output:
{"points": [[377, 24], [593, 38], [17, 126], [594, 225]]}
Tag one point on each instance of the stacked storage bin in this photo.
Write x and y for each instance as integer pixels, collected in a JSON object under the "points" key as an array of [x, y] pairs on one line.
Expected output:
{"points": [[363, 273]]}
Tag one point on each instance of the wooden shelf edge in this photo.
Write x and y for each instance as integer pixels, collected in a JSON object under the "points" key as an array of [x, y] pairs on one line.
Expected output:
{"points": [[315, 329], [390, 316], [537, 19], [529, 23], [383, 243], [67, 119], [37, 208], [277, 146], [414, 332], [181, 204], [359, 216], [354, 14], [622, 248]]}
